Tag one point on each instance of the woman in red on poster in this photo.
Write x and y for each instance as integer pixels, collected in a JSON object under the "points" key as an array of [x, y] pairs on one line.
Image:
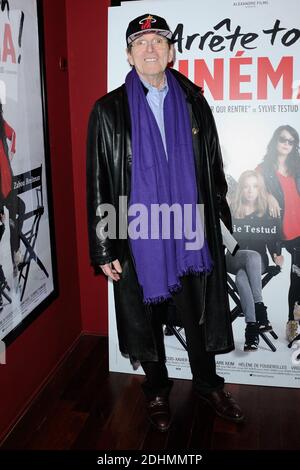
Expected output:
{"points": [[8, 196], [281, 171]]}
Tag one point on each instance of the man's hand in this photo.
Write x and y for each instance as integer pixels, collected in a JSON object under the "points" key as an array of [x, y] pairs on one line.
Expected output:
{"points": [[274, 208], [112, 270]]}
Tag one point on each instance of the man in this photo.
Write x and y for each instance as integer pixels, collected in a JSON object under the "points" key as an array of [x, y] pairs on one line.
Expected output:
{"points": [[154, 140]]}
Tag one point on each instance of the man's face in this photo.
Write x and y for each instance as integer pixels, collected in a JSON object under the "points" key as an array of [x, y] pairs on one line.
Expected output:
{"points": [[150, 59]]}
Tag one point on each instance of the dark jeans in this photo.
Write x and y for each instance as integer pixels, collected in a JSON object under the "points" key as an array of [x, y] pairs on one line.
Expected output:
{"points": [[293, 247], [202, 363], [16, 209]]}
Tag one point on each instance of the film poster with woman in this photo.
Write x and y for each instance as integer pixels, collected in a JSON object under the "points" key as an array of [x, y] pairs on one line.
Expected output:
{"points": [[26, 277], [256, 108], [259, 130], [246, 57]]}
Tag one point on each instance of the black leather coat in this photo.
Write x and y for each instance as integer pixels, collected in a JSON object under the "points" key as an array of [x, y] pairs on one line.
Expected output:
{"points": [[108, 177]]}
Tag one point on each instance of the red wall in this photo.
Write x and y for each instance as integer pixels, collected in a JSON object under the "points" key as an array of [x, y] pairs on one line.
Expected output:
{"points": [[74, 30], [87, 46]]}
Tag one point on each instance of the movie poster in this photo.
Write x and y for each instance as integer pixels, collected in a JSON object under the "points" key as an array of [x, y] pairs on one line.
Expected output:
{"points": [[246, 57], [26, 270]]}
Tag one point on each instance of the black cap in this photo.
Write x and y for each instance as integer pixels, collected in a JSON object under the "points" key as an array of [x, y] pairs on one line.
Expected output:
{"points": [[147, 24]]}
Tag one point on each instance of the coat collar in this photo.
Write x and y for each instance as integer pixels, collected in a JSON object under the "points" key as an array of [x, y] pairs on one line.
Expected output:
{"points": [[191, 90]]}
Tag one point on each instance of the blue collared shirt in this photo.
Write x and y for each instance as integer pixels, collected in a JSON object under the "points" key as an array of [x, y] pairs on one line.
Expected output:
{"points": [[155, 98]]}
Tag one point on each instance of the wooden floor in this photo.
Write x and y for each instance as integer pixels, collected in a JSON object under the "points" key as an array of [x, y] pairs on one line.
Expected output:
{"points": [[86, 407]]}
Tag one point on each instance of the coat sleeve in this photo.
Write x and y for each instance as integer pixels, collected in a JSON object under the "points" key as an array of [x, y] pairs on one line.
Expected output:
{"points": [[217, 168], [99, 191]]}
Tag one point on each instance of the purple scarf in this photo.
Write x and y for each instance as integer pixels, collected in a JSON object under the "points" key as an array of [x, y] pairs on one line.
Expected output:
{"points": [[155, 179]]}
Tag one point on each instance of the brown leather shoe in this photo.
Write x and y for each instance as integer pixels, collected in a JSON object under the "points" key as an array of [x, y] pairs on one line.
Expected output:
{"points": [[224, 405], [159, 413]]}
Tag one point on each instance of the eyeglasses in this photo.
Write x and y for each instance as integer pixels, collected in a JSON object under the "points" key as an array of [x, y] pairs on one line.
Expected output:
{"points": [[156, 43], [285, 140]]}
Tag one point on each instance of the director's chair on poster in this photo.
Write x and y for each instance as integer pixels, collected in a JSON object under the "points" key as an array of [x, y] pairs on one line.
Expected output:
{"points": [[4, 287], [237, 311], [173, 326], [30, 181]]}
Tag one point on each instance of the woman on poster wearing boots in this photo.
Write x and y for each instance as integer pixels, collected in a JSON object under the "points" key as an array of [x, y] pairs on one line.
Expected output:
{"points": [[255, 232], [281, 171], [9, 198]]}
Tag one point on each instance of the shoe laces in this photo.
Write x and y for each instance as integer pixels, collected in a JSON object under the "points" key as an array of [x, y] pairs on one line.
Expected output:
{"points": [[251, 334]]}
